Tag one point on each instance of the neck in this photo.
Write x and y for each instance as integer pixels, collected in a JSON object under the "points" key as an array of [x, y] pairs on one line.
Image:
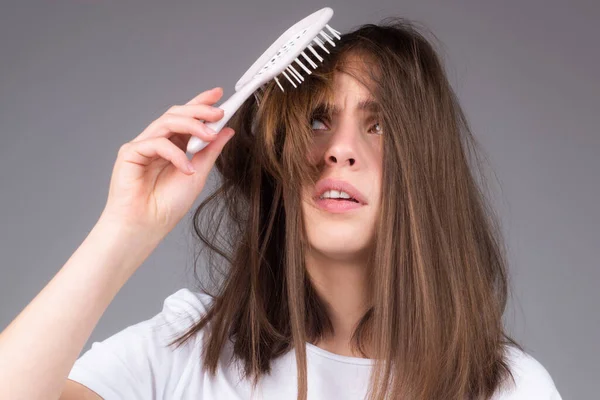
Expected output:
{"points": [[342, 284]]}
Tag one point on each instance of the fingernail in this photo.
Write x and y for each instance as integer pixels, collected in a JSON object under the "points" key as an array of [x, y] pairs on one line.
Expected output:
{"points": [[190, 167]]}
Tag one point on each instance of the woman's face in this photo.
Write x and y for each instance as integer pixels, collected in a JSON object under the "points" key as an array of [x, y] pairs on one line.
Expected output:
{"points": [[348, 147]]}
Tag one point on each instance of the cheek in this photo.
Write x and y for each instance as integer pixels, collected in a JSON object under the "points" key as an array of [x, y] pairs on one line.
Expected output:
{"points": [[315, 152], [313, 156], [377, 177]]}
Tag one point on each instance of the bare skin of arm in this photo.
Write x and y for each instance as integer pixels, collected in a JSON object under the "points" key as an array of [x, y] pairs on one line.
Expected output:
{"points": [[76, 391], [151, 189], [43, 342]]}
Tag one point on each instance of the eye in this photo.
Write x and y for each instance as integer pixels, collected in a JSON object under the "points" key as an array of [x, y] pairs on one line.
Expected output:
{"points": [[378, 131], [315, 121]]}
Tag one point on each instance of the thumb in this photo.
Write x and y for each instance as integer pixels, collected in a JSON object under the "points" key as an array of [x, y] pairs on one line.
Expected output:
{"points": [[204, 160]]}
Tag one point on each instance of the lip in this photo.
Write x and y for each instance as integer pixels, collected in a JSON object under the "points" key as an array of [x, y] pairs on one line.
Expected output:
{"points": [[337, 206]]}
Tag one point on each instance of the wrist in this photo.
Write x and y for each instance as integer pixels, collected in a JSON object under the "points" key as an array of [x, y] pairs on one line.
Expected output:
{"points": [[130, 244], [126, 229]]}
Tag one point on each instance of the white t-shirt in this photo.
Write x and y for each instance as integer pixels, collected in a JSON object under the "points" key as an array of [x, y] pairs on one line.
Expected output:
{"points": [[135, 363]]}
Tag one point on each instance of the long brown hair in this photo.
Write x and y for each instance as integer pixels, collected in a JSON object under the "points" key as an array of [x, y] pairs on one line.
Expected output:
{"points": [[438, 271]]}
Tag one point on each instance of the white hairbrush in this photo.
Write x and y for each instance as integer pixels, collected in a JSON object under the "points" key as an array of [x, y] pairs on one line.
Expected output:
{"points": [[277, 60]]}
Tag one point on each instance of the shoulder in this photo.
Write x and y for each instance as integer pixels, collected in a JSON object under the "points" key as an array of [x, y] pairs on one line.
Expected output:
{"points": [[180, 310], [531, 379], [187, 302], [138, 361]]}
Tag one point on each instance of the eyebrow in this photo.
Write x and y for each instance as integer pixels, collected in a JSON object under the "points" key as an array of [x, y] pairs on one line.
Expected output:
{"points": [[364, 105]]}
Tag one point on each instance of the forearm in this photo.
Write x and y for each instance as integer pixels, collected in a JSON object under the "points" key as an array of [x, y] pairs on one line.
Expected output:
{"points": [[40, 346]]}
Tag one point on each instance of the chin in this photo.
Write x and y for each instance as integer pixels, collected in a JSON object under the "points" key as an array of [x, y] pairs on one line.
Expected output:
{"points": [[339, 240]]}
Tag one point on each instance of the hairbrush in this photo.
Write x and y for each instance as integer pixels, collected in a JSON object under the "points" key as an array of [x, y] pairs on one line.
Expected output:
{"points": [[277, 60]]}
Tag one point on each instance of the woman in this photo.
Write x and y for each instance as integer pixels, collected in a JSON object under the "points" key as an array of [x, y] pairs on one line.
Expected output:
{"points": [[361, 257]]}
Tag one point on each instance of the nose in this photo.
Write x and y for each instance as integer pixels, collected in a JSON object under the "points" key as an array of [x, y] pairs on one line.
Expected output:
{"points": [[342, 147]]}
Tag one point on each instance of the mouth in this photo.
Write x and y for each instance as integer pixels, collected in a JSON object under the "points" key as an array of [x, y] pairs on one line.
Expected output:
{"points": [[337, 205], [337, 196]]}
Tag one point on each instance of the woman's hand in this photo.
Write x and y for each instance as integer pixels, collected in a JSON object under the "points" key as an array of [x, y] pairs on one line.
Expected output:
{"points": [[151, 187]]}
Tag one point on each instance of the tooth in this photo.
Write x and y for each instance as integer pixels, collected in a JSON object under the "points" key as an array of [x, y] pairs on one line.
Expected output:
{"points": [[327, 194], [337, 194]]}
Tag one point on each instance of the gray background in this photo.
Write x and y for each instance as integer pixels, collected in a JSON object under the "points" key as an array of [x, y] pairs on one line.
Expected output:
{"points": [[80, 78]]}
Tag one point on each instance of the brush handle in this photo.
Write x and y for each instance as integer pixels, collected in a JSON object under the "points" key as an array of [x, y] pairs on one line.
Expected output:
{"points": [[230, 106]]}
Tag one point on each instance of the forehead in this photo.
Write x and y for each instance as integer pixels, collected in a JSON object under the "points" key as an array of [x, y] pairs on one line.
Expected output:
{"points": [[352, 81], [345, 85], [349, 93]]}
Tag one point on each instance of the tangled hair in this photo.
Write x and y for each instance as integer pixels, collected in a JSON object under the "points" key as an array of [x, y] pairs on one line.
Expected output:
{"points": [[438, 270]]}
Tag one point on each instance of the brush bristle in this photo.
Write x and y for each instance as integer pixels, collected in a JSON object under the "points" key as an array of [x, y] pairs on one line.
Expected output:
{"points": [[296, 77]]}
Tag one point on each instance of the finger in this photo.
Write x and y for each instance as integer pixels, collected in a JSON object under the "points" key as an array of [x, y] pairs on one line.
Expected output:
{"points": [[145, 152], [208, 96], [181, 140], [204, 160], [171, 124], [199, 111]]}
